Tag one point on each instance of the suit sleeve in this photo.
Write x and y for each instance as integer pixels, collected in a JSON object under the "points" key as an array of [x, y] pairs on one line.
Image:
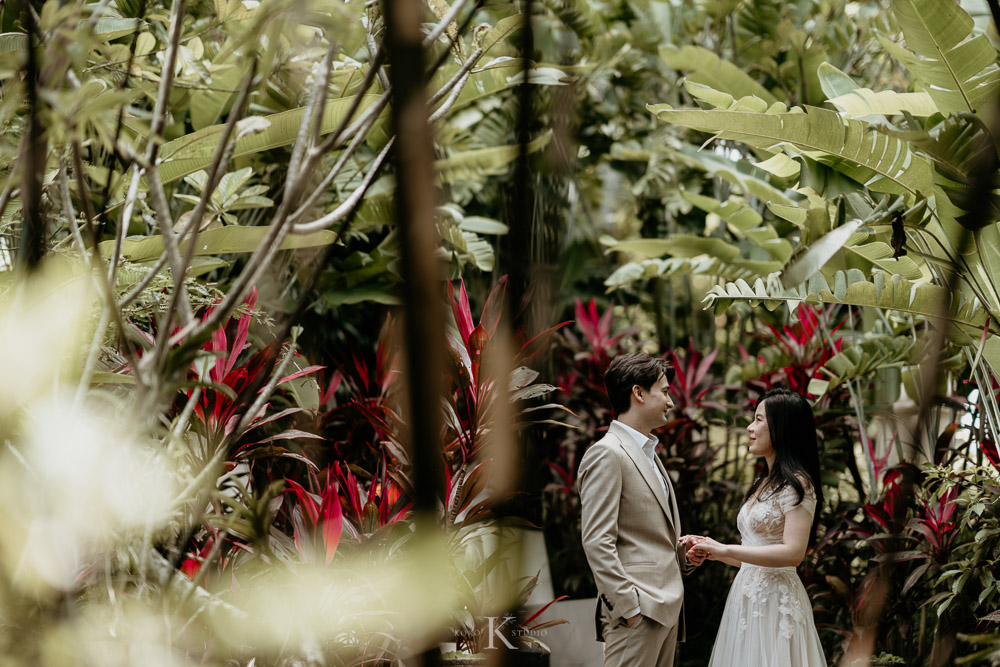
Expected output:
{"points": [[600, 496], [686, 566]]}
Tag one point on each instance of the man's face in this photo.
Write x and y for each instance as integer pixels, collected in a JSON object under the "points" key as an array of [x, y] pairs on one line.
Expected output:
{"points": [[656, 402]]}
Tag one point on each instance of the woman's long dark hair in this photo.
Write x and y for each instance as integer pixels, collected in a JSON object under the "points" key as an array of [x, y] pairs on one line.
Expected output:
{"points": [[792, 428]]}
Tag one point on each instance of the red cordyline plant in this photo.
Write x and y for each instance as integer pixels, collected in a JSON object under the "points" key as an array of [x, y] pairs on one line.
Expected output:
{"points": [[367, 510], [233, 388], [375, 487], [317, 518], [587, 349], [804, 344], [474, 388]]}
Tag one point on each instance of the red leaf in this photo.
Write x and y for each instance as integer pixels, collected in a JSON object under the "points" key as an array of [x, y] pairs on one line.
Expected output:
{"points": [[305, 371], [543, 608], [493, 310], [333, 518], [290, 434], [306, 501], [242, 329], [272, 418], [331, 388], [463, 313], [217, 345]]}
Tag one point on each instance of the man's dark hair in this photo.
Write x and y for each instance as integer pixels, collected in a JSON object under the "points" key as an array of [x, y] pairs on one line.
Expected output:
{"points": [[628, 370]]}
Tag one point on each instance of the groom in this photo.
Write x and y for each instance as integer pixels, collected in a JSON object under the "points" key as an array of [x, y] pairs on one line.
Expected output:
{"points": [[631, 528]]}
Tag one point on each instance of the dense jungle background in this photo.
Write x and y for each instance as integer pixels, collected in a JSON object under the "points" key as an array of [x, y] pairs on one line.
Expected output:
{"points": [[306, 306]]}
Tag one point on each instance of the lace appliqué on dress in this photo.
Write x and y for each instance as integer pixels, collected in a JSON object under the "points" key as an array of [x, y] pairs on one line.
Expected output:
{"points": [[762, 522], [768, 619], [761, 586]]}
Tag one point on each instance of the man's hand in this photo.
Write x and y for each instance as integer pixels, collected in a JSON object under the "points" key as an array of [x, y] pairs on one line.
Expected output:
{"points": [[630, 622], [695, 557]]}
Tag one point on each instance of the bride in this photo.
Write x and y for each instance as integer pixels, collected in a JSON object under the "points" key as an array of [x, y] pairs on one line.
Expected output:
{"points": [[768, 620]]}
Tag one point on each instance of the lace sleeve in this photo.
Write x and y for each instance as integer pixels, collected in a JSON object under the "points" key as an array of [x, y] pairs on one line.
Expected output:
{"points": [[788, 499]]}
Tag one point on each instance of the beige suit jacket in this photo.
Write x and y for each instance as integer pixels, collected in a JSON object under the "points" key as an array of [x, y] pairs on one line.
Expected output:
{"points": [[630, 529]]}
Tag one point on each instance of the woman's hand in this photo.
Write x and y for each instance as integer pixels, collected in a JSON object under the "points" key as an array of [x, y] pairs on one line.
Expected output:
{"points": [[706, 547], [689, 542]]}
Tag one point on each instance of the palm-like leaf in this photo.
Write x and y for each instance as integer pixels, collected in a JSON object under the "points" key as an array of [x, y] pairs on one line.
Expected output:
{"points": [[853, 288], [194, 151], [881, 162], [745, 222], [704, 67], [961, 148], [959, 71]]}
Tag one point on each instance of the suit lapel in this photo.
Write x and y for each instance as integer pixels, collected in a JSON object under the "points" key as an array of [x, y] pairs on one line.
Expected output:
{"points": [[674, 516], [645, 469]]}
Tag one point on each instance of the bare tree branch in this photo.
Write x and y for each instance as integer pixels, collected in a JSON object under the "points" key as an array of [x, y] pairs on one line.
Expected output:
{"points": [[462, 75], [439, 29], [360, 134], [353, 200]]}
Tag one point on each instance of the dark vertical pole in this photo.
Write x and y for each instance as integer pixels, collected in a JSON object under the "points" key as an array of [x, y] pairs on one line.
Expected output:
{"points": [[414, 159], [34, 152], [423, 320], [519, 244]]}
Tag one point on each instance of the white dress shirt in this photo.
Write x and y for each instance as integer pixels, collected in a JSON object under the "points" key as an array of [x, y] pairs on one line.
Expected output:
{"points": [[647, 445]]}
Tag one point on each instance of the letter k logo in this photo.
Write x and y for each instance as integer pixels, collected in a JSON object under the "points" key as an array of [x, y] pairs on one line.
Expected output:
{"points": [[495, 631]]}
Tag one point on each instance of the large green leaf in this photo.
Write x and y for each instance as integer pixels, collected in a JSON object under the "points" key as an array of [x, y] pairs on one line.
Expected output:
{"points": [[474, 164], [703, 66], [745, 222], [725, 255], [959, 73], [221, 241], [194, 151], [681, 245], [962, 148], [881, 162], [750, 180], [106, 29], [853, 288], [645, 269], [862, 102], [503, 29], [819, 253], [879, 253]]}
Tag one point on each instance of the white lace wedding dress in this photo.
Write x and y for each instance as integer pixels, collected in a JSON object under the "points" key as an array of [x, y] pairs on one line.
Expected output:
{"points": [[768, 620]]}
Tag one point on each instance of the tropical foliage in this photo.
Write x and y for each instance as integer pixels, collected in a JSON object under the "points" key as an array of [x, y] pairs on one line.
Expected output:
{"points": [[208, 450]]}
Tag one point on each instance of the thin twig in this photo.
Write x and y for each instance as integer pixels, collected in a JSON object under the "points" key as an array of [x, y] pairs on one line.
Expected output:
{"points": [[348, 204], [461, 75], [439, 29], [380, 71], [104, 283], [123, 221], [444, 108], [317, 100], [343, 130], [165, 221], [370, 116], [69, 212]]}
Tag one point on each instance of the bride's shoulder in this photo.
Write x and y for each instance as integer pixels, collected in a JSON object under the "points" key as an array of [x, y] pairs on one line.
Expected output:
{"points": [[790, 497]]}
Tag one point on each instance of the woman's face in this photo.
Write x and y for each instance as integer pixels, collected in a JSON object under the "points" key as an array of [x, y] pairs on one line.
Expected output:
{"points": [[760, 435]]}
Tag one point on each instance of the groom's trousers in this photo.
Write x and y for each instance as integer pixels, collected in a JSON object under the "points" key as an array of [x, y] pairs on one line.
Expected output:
{"points": [[646, 644]]}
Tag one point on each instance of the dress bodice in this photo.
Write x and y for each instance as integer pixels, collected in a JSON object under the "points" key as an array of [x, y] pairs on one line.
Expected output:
{"points": [[761, 520]]}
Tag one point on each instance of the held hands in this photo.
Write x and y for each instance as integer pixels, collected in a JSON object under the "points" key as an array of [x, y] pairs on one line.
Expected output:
{"points": [[693, 556], [706, 547]]}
